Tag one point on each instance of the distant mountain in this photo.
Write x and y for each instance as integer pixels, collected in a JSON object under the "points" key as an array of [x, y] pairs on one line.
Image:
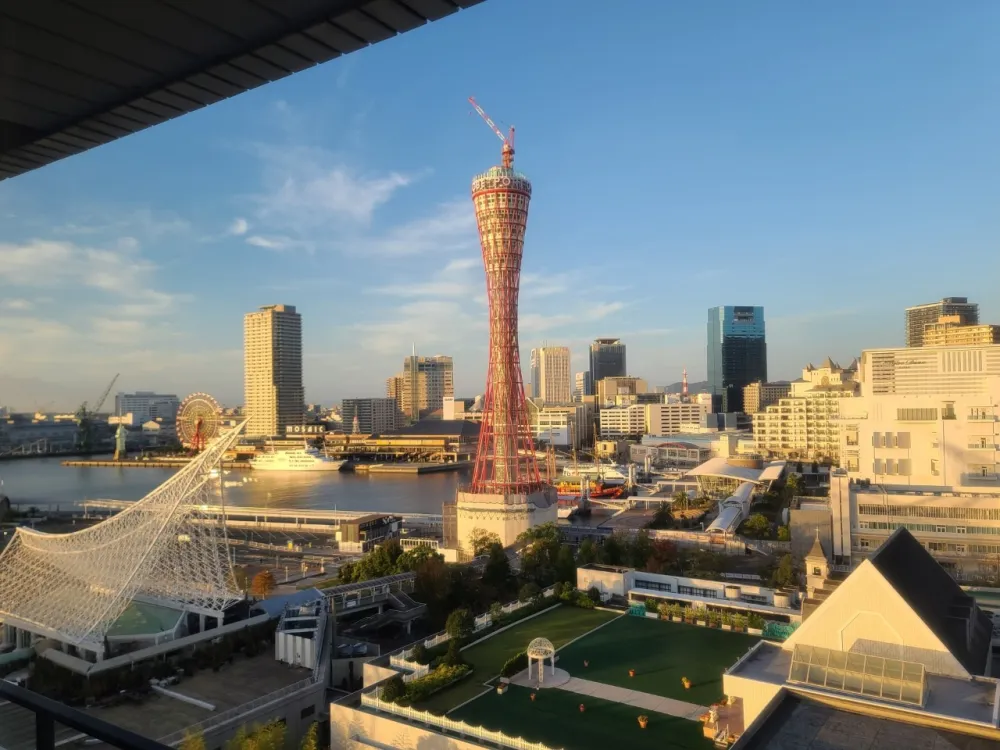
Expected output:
{"points": [[699, 387]]}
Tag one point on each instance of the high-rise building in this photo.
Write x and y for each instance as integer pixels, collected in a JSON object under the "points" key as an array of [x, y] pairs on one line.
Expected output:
{"points": [[550, 374], [374, 415], [950, 331], [582, 385], [506, 495], [926, 417], [609, 391], [274, 397], [146, 405], [607, 360], [919, 316], [737, 354], [422, 385]]}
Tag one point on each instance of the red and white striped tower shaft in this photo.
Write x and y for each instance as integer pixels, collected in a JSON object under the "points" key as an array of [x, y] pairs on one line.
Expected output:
{"points": [[505, 461]]}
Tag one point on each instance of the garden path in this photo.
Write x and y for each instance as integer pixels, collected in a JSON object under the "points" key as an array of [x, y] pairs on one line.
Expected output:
{"points": [[635, 698]]}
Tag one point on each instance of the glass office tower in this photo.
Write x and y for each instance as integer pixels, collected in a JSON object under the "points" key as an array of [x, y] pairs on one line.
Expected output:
{"points": [[737, 354], [607, 360]]}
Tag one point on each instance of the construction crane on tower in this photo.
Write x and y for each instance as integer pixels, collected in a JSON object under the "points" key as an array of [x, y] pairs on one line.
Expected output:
{"points": [[507, 151], [85, 419]]}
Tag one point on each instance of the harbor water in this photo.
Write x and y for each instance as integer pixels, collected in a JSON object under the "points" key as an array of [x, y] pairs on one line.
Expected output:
{"points": [[45, 482]]}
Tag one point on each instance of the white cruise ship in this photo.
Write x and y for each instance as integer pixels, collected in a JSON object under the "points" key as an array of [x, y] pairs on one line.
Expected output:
{"points": [[303, 459], [608, 473]]}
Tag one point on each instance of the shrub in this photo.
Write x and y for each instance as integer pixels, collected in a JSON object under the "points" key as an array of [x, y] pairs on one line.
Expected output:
{"points": [[419, 654], [594, 593], [755, 621], [584, 601], [557, 589], [665, 610], [422, 688], [515, 664], [393, 689], [529, 592], [651, 605]]}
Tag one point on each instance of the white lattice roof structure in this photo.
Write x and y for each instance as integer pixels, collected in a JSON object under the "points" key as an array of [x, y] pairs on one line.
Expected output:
{"points": [[74, 587]]}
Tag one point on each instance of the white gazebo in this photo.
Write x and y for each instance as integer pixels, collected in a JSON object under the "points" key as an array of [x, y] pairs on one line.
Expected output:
{"points": [[539, 650]]}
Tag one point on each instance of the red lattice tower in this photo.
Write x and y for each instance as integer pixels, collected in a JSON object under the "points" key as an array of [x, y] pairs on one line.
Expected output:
{"points": [[505, 460]]}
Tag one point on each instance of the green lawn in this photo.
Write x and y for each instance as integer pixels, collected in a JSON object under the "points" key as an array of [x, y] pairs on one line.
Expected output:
{"points": [[487, 658], [554, 718], [661, 653]]}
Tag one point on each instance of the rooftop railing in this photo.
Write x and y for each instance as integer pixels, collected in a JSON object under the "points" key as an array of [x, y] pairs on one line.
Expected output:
{"points": [[48, 713]]}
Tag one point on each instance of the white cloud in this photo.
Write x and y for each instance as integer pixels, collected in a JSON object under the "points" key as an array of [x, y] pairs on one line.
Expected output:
{"points": [[277, 243], [450, 228], [15, 304], [239, 227]]}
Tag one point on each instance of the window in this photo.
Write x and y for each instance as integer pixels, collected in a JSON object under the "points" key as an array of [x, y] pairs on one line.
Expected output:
{"points": [[849, 672], [960, 530], [934, 467], [916, 415], [877, 466], [940, 529]]}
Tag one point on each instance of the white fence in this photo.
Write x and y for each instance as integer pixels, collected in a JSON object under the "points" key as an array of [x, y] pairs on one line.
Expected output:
{"points": [[371, 700], [417, 670], [481, 623]]}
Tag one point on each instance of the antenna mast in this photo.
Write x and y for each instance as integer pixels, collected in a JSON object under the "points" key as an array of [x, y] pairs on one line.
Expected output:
{"points": [[507, 151]]}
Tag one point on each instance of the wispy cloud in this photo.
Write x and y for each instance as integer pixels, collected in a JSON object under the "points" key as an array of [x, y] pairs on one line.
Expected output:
{"points": [[15, 304]]}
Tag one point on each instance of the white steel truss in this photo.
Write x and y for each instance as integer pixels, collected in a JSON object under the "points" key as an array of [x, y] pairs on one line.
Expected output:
{"points": [[73, 587]]}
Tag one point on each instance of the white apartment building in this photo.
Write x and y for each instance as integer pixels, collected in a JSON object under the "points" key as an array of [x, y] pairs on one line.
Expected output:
{"points": [[370, 416], [623, 421], [550, 374], [274, 397], [927, 418], [146, 405], [560, 425], [667, 419], [803, 425]]}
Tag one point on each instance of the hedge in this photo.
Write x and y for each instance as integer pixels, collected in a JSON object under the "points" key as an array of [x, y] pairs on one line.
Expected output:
{"points": [[423, 688], [515, 664]]}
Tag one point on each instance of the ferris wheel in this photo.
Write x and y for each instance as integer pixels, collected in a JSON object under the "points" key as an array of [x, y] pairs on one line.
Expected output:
{"points": [[198, 420]]}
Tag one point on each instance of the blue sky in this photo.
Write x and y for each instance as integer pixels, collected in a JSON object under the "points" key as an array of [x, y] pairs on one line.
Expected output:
{"points": [[831, 162]]}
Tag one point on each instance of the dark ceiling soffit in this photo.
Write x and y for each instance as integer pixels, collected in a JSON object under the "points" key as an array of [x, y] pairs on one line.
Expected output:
{"points": [[320, 32]]}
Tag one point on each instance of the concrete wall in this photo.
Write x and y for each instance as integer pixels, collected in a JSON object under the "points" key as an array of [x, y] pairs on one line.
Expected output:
{"points": [[505, 515], [755, 694], [351, 729], [610, 582]]}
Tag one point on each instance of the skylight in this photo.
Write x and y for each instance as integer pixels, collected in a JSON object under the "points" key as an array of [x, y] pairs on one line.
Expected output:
{"points": [[861, 674]]}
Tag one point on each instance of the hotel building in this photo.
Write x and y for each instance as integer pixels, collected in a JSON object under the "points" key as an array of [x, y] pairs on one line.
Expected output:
{"points": [[274, 397]]}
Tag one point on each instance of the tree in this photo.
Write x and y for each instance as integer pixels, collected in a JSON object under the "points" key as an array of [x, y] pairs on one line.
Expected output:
{"points": [[785, 574], [663, 518], [497, 572], [784, 535], [639, 550], [311, 740], [263, 584], [459, 624], [757, 526], [194, 741], [565, 565], [612, 551], [433, 587], [587, 553], [453, 657], [392, 690], [663, 558], [412, 559], [528, 592], [480, 540], [594, 594], [793, 487], [681, 499]]}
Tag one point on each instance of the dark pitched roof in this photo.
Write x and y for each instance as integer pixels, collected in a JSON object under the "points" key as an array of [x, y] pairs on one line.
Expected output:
{"points": [[949, 612], [460, 427]]}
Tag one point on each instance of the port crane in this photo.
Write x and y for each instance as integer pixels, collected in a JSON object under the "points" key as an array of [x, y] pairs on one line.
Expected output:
{"points": [[85, 419]]}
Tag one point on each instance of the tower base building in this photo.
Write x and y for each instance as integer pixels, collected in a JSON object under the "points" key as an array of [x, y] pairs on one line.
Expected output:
{"points": [[506, 515]]}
